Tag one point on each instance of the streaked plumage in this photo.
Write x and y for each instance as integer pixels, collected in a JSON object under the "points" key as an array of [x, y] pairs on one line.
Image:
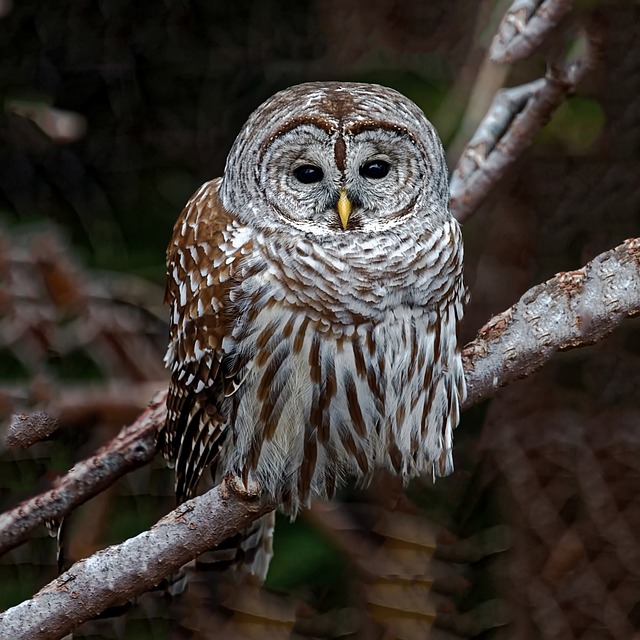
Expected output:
{"points": [[304, 351]]}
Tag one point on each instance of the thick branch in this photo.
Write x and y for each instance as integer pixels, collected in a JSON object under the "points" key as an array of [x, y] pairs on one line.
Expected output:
{"points": [[117, 574], [574, 309], [132, 448]]}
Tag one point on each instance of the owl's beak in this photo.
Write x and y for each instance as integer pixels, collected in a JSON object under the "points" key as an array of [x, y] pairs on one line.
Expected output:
{"points": [[344, 208]]}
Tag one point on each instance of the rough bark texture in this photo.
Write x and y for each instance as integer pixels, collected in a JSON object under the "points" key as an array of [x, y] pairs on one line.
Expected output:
{"points": [[572, 309], [514, 118], [524, 28], [118, 573]]}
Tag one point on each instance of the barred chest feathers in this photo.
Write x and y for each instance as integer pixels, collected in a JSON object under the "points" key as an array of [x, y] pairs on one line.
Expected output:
{"points": [[348, 359]]}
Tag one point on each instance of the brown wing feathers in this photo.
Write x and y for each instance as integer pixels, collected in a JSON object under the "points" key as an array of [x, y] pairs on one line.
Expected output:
{"points": [[196, 424]]}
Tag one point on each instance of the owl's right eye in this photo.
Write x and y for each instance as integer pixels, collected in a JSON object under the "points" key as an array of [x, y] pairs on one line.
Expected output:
{"points": [[308, 173]]}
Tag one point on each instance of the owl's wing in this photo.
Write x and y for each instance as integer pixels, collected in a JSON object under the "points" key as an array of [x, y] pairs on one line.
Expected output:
{"points": [[198, 282]]}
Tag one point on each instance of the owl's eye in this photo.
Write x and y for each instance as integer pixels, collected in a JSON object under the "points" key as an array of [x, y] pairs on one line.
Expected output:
{"points": [[308, 173], [375, 169]]}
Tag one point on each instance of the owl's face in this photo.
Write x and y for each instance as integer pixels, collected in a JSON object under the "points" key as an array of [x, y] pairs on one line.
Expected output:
{"points": [[331, 159]]}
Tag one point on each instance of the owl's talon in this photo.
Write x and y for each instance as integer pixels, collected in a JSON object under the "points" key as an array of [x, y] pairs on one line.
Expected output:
{"points": [[249, 491]]}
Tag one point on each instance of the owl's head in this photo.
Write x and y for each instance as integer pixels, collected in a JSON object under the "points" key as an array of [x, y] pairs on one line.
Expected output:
{"points": [[337, 158]]}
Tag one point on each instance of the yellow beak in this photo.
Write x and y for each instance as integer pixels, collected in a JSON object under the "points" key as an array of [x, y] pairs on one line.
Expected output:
{"points": [[344, 208]]}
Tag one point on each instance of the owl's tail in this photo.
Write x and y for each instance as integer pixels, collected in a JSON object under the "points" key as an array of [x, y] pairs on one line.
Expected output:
{"points": [[249, 551], [220, 588], [244, 556]]}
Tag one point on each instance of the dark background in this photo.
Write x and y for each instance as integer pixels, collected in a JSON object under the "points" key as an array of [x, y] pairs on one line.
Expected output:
{"points": [[155, 93], [164, 88]]}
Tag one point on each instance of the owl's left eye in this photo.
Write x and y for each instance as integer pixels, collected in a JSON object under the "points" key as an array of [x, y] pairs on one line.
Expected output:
{"points": [[375, 169], [308, 174]]}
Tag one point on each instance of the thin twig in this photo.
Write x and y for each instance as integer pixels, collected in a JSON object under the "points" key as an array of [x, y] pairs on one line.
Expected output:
{"points": [[514, 118], [573, 309], [494, 126], [114, 404], [27, 429], [524, 28], [116, 574]]}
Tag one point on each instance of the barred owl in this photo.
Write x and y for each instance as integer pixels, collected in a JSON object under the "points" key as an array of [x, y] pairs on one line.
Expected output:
{"points": [[315, 293]]}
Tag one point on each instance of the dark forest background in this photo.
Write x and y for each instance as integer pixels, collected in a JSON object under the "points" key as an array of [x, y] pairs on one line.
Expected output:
{"points": [[115, 112]]}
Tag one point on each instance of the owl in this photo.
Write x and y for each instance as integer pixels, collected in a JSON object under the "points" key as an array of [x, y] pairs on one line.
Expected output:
{"points": [[315, 292]]}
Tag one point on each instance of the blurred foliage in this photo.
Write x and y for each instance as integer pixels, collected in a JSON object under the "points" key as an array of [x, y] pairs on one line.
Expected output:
{"points": [[575, 126]]}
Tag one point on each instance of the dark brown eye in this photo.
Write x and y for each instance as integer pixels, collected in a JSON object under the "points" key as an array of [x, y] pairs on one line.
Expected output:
{"points": [[375, 169], [308, 173]]}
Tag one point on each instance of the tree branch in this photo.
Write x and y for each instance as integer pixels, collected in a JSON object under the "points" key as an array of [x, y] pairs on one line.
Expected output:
{"points": [[117, 574], [27, 429], [573, 309], [524, 27], [514, 118], [113, 404], [132, 448]]}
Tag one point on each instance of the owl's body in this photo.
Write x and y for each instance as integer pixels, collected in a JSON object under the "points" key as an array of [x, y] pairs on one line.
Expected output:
{"points": [[316, 290]]}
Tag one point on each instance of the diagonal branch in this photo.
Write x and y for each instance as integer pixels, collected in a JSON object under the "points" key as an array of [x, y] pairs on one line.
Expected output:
{"points": [[116, 574], [27, 429], [525, 25], [573, 309], [112, 403], [514, 118], [132, 448]]}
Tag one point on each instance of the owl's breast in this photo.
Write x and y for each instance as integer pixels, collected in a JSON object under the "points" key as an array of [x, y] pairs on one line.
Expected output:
{"points": [[359, 281], [317, 405]]}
